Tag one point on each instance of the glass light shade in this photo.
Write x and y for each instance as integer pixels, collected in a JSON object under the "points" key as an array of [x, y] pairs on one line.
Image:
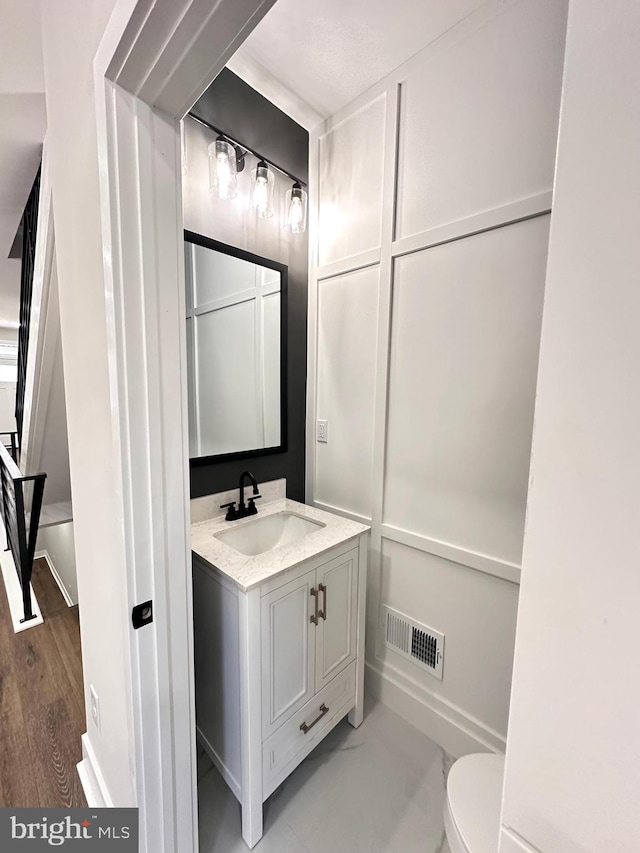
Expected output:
{"points": [[223, 182], [296, 210], [262, 183]]}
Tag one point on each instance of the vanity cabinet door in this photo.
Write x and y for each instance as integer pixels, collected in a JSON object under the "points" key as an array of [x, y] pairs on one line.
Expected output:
{"points": [[288, 650], [337, 583]]}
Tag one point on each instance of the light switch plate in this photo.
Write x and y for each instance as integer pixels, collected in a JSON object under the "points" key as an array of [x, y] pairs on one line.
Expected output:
{"points": [[322, 429]]}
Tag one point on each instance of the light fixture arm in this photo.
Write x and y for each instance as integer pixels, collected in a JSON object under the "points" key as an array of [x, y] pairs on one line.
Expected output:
{"points": [[242, 151]]}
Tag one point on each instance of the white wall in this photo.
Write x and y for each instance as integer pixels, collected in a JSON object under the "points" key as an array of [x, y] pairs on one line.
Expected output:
{"points": [[71, 32], [8, 380], [7, 408], [58, 542], [54, 459], [573, 769], [45, 437], [426, 327]]}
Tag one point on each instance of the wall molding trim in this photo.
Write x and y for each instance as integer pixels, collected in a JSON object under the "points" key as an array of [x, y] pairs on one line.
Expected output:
{"points": [[447, 725], [353, 516], [350, 264], [488, 220], [256, 75], [456, 554], [220, 766], [91, 778], [44, 555]]}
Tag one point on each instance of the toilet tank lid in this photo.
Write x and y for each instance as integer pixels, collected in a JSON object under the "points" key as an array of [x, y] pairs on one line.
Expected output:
{"points": [[474, 793]]}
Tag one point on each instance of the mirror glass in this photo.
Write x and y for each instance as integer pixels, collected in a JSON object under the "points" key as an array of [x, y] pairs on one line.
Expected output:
{"points": [[236, 304]]}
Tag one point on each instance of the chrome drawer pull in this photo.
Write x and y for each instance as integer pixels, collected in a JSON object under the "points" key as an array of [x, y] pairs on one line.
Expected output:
{"points": [[323, 613], [314, 616], [323, 710]]}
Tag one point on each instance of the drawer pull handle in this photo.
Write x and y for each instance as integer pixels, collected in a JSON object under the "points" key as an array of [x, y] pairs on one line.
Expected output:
{"points": [[323, 710], [314, 616], [323, 613]]}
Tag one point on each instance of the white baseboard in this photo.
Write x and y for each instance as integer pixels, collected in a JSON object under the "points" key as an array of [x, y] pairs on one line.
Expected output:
{"points": [[44, 555], [511, 842], [449, 728], [220, 766], [91, 778], [14, 593]]}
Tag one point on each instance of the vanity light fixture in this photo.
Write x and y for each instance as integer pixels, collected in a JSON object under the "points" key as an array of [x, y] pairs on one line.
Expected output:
{"points": [[227, 158], [224, 164], [262, 181], [296, 207]]}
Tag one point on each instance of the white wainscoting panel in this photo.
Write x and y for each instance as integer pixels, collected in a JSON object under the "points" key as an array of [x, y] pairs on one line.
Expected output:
{"points": [[350, 184], [478, 122], [464, 354], [477, 615], [429, 239], [347, 324]]}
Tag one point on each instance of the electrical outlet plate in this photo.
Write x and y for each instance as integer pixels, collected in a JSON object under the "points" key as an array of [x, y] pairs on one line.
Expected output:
{"points": [[95, 706], [322, 429]]}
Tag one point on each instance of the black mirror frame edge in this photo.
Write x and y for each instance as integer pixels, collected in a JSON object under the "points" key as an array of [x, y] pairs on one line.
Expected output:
{"points": [[283, 269]]}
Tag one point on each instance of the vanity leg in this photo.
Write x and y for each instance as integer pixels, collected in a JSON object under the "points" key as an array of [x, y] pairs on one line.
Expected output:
{"points": [[356, 715], [251, 823], [250, 716]]}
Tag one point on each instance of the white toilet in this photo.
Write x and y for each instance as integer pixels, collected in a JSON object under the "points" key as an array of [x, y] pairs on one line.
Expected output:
{"points": [[472, 807]]}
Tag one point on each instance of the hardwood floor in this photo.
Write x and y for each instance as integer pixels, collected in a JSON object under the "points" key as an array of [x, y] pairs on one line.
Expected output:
{"points": [[42, 715]]}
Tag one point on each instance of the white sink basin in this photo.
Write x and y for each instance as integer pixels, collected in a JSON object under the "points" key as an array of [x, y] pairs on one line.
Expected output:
{"points": [[265, 534]]}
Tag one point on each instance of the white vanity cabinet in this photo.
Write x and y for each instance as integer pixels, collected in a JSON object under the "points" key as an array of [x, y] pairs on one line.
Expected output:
{"points": [[277, 667]]}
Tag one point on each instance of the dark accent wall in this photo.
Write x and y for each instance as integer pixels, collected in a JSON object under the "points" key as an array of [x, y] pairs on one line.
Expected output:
{"points": [[232, 223], [232, 106]]}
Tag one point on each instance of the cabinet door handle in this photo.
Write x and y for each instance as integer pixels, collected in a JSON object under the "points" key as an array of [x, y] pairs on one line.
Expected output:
{"points": [[323, 613], [314, 615], [323, 710]]}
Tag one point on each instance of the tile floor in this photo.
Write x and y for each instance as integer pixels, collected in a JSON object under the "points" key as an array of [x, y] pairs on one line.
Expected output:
{"points": [[376, 789]]}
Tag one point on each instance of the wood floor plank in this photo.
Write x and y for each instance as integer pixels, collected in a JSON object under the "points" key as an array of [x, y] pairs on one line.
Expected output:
{"points": [[47, 591], [38, 670], [52, 733], [17, 780], [42, 712], [66, 636]]}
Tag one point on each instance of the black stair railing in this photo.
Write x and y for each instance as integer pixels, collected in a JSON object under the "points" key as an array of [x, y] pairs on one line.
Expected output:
{"points": [[11, 444], [21, 505], [29, 230]]}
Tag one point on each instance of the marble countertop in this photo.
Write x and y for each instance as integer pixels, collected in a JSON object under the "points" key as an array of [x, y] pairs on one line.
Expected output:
{"points": [[248, 572]]}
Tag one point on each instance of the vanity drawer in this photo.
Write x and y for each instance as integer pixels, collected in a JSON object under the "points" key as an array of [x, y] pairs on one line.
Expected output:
{"points": [[286, 748]]}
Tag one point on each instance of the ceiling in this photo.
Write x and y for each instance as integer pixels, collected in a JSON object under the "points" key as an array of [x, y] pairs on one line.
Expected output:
{"points": [[22, 129], [326, 52], [310, 57]]}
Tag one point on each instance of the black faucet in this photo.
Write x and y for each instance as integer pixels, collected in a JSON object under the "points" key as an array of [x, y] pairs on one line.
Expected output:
{"points": [[232, 513]]}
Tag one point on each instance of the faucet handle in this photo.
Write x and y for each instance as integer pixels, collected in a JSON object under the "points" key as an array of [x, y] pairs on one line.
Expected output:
{"points": [[252, 507], [231, 510]]}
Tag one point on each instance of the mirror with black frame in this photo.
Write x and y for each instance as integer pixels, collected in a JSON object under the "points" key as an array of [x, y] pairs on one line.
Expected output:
{"points": [[236, 351]]}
